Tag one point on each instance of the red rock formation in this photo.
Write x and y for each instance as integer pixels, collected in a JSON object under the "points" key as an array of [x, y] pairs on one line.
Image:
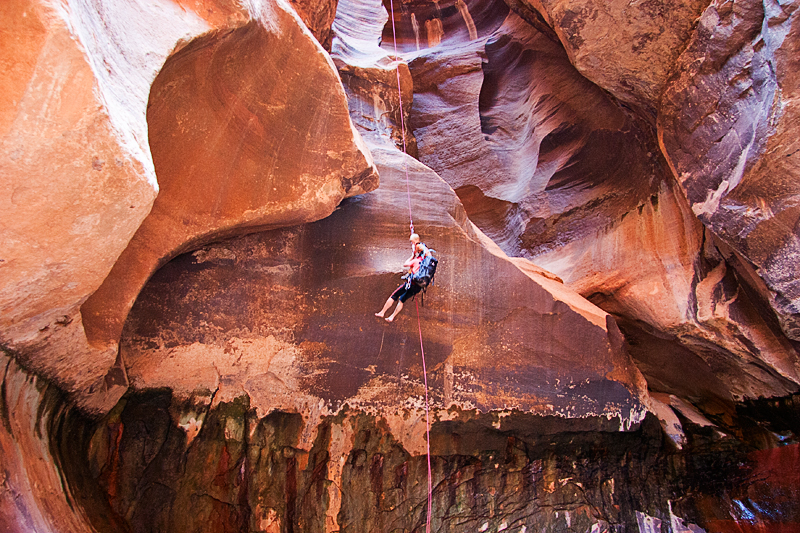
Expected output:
{"points": [[236, 149], [266, 396], [627, 48], [553, 169], [285, 318], [297, 332], [34, 495], [318, 17], [729, 128], [74, 125]]}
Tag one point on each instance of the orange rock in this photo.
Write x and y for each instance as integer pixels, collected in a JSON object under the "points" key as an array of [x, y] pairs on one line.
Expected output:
{"points": [[246, 148], [628, 48]]}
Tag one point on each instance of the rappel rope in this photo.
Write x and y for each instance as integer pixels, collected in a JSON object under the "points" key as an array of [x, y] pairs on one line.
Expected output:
{"points": [[416, 305]]}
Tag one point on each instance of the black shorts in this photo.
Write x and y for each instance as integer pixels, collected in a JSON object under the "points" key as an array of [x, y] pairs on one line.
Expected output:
{"points": [[403, 294]]}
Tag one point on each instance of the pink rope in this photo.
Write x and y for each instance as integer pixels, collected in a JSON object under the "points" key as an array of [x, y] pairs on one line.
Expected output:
{"points": [[416, 305], [402, 118], [427, 423]]}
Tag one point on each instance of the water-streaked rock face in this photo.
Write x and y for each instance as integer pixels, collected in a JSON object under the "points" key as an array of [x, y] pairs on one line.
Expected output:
{"points": [[627, 48], [236, 149], [193, 222], [288, 316], [249, 473]]}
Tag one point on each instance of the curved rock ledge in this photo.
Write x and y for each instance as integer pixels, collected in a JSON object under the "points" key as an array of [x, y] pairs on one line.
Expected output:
{"points": [[288, 317], [80, 193]]}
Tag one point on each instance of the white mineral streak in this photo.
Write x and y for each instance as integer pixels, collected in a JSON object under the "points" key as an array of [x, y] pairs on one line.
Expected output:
{"points": [[689, 411], [415, 25], [30, 477], [340, 447], [357, 34], [647, 523], [669, 421], [464, 10], [434, 32], [126, 43]]}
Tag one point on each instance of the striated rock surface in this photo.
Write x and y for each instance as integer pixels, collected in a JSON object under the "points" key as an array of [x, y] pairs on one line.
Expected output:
{"points": [[683, 288], [39, 437], [729, 128], [628, 48], [537, 149], [77, 181], [288, 317], [213, 154], [246, 472], [237, 149]]}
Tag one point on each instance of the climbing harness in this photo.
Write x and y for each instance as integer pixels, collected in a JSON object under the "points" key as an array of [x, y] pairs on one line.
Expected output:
{"points": [[416, 306]]}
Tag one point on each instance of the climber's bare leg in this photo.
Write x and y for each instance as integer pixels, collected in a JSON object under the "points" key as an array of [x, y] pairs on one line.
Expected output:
{"points": [[396, 310], [386, 307]]}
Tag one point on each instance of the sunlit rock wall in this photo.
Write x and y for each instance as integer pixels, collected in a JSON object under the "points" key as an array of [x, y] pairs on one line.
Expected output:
{"points": [[627, 48], [729, 128], [107, 178]]}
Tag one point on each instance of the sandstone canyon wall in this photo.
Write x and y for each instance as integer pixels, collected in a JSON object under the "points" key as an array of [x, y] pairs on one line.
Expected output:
{"points": [[204, 204]]}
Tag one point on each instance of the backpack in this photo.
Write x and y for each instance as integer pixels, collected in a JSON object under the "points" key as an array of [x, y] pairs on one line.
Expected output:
{"points": [[427, 270]]}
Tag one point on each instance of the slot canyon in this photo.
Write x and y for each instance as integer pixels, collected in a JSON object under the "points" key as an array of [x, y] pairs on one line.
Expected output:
{"points": [[204, 203]]}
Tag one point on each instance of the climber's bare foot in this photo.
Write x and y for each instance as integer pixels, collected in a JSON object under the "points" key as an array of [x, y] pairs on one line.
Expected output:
{"points": [[389, 318], [379, 314]]}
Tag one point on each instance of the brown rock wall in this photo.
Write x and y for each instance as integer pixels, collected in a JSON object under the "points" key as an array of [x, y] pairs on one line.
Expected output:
{"points": [[733, 103], [233, 150], [250, 473], [297, 331], [628, 48], [72, 194], [553, 169], [33, 494], [318, 17]]}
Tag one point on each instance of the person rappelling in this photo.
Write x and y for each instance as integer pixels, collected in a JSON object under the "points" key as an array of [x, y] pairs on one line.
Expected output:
{"points": [[420, 269]]}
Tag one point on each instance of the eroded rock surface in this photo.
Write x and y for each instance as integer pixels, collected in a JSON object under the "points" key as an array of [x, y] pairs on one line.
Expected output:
{"points": [[729, 127], [288, 316], [155, 456], [237, 148], [264, 393], [76, 182], [555, 170], [628, 48], [80, 176], [40, 436]]}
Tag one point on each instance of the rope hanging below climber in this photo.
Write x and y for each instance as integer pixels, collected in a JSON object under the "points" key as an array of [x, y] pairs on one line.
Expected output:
{"points": [[421, 259]]}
